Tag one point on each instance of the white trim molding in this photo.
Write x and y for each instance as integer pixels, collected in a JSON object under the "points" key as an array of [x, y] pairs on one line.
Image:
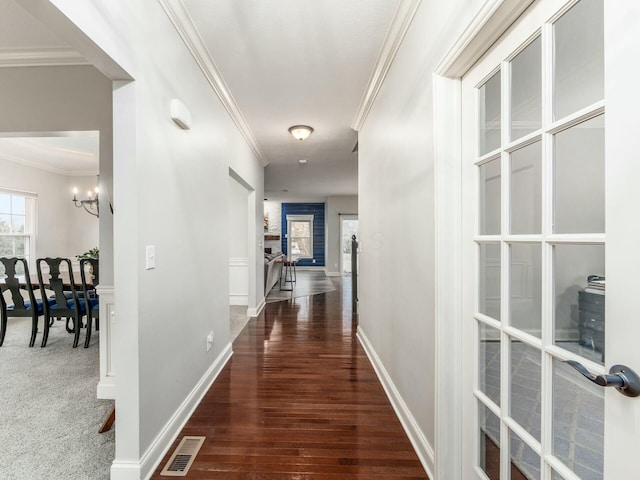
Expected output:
{"points": [[40, 57], [107, 383], [125, 470], [254, 312], [491, 21], [239, 262], [448, 295], [46, 167], [184, 25], [420, 443], [239, 281], [400, 24], [161, 444], [239, 299]]}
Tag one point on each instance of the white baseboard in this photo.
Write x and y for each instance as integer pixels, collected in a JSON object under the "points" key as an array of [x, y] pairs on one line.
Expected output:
{"points": [[238, 299], [125, 471], [107, 388], [161, 444], [254, 312], [420, 443]]}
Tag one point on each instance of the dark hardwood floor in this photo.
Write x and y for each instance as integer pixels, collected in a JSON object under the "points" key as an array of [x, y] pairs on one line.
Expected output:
{"points": [[300, 400]]}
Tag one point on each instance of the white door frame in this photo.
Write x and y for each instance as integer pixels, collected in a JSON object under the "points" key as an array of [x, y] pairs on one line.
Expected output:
{"points": [[622, 414], [249, 263], [84, 34], [342, 217], [493, 19]]}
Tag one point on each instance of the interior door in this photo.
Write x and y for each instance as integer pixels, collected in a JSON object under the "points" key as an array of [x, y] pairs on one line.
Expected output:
{"points": [[541, 279]]}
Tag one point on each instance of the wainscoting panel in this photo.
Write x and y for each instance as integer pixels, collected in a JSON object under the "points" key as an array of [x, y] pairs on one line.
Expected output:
{"points": [[107, 383], [238, 281]]}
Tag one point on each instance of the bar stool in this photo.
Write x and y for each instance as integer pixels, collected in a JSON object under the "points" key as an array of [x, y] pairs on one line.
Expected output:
{"points": [[288, 270]]}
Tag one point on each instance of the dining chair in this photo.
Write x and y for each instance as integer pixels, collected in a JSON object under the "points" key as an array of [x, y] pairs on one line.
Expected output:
{"points": [[72, 308], [19, 302], [89, 270]]}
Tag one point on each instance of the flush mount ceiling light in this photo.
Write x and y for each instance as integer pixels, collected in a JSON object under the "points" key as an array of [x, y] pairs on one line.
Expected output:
{"points": [[300, 132], [302, 161]]}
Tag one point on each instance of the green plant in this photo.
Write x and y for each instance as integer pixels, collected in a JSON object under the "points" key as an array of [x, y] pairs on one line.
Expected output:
{"points": [[93, 253]]}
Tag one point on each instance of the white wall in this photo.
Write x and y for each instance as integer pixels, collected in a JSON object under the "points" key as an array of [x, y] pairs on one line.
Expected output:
{"points": [[396, 212], [170, 191], [62, 230], [335, 206], [182, 177]]}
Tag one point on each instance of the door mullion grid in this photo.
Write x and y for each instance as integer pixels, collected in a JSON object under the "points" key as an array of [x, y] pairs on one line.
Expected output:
{"points": [[505, 218], [547, 239], [476, 274], [547, 194]]}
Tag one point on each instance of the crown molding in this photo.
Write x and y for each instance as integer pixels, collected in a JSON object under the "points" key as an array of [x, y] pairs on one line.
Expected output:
{"points": [[491, 21], [187, 30], [40, 57], [400, 24], [48, 168]]}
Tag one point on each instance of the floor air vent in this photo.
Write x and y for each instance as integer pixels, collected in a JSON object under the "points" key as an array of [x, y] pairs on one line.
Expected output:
{"points": [[184, 455]]}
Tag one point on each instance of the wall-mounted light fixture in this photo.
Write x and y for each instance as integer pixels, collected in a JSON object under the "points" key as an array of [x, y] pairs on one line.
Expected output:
{"points": [[90, 204], [300, 132]]}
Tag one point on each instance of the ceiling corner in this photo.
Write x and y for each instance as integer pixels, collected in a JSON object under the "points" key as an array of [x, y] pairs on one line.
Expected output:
{"points": [[490, 22], [398, 28], [187, 30], [40, 57]]}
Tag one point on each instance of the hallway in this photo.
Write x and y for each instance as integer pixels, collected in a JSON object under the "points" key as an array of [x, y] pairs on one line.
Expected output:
{"points": [[299, 399]]}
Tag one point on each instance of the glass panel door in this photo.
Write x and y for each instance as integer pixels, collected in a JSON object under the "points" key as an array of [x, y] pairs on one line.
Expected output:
{"points": [[536, 164]]}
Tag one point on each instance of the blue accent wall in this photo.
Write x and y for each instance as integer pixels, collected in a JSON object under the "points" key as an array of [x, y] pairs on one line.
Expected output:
{"points": [[317, 210]]}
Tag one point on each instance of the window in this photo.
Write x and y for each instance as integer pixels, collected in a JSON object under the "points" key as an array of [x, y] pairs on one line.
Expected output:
{"points": [[300, 236], [17, 214]]}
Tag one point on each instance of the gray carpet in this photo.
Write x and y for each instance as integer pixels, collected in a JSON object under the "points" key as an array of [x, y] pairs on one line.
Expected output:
{"points": [[49, 414], [239, 318]]}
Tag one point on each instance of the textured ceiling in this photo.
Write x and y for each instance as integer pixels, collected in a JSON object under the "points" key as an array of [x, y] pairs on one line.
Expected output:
{"points": [[286, 62], [289, 62]]}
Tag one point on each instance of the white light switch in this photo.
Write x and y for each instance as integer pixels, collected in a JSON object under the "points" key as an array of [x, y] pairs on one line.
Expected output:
{"points": [[151, 257]]}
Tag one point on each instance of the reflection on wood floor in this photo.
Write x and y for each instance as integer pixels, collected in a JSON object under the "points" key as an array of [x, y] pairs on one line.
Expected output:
{"points": [[307, 282], [300, 400]]}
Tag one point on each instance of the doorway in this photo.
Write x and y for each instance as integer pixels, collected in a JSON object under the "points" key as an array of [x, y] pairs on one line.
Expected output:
{"points": [[239, 222], [348, 228], [38, 219]]}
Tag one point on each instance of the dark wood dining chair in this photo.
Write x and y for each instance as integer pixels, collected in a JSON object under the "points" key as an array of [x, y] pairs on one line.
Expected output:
{"points": [[90, 276], [19, 306], [72, 308]]}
